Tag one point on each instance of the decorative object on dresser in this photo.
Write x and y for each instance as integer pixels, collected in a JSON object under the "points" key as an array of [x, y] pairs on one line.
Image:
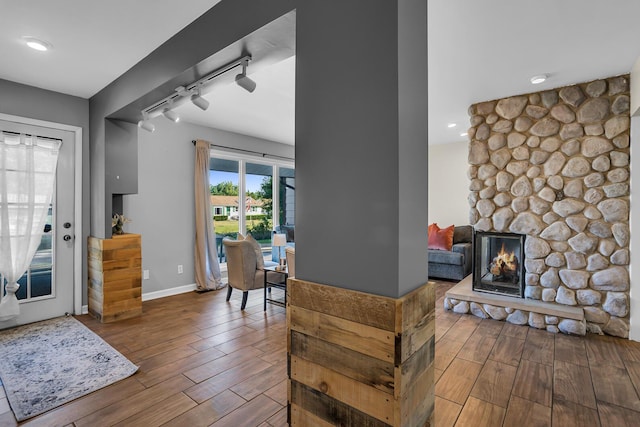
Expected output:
{"points": [[117, 223]]}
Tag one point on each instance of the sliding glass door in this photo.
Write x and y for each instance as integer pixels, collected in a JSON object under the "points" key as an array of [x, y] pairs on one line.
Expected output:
{"points": [[245, 197], [224, 184], [286, 195], [259, 201]]}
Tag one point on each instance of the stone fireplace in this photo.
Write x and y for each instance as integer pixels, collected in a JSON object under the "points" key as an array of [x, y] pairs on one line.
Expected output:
{"points": [[554, 166], [498, 263]]}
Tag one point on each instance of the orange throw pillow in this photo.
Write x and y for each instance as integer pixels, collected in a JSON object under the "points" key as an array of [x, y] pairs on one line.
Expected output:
{"points": [[441, 238], [432, 229]]}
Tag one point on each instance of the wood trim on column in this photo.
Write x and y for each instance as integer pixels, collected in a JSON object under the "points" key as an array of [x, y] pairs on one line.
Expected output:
{"points": [[360, 359]]}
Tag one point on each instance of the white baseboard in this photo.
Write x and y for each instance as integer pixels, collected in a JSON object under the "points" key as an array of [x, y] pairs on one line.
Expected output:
{"points": [[157, 294], [168, 292]]}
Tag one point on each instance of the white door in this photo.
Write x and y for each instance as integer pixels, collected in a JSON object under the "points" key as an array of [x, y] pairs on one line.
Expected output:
{"points": [[46, 289]]}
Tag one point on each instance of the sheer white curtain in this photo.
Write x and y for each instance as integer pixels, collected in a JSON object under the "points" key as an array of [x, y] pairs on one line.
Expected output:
{"points": [[27, 173], [208, 276]]}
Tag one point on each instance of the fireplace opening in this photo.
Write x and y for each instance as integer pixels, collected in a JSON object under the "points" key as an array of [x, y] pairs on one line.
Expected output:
{"points": [[498, 263]]}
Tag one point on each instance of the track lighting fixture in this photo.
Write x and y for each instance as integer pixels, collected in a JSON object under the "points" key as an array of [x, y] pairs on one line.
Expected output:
{"points": [[244, 81], [171, 115], [199, 101], [194, 93], [146, 124]]}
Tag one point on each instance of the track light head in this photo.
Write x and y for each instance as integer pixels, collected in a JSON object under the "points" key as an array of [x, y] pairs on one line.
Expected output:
{"points": [[171, 115], [146, 124], [194, 91], [244, 81], [199, 101]]}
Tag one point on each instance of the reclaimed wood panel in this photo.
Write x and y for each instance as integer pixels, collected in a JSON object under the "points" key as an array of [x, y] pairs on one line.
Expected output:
{"points": [[365, 398], [416, 318], [353, 335], [329, 409], [115, 277], [360, 360], [302, 418], [359, 307], [358, 366]]}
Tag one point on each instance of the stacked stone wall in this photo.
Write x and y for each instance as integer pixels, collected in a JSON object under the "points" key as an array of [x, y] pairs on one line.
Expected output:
{"points": [[554, 165]]}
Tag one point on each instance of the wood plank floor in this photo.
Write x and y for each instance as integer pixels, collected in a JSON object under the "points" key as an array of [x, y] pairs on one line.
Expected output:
{"points": [[491, 373], [204, 362]]}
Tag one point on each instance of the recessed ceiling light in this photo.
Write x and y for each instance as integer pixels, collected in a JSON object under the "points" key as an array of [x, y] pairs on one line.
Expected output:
{"points": [[37, 44], [451, 125], [464, 134], [535, 80]]}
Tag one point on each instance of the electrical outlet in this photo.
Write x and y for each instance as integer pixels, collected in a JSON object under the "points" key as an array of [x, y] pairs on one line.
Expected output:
{"points": [[145, 275], [179, 268]]}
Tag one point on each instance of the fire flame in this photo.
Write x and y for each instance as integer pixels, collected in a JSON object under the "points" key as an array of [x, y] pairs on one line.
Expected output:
{"points": [[506, 260]]}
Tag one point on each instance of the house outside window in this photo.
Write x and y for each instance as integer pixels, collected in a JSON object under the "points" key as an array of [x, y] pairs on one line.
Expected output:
{"points": [[255, 193]]}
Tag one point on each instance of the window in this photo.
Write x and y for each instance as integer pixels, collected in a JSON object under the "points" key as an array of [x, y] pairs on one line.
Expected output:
{"points": [[259, 201], [243, 189], [224, 184]]}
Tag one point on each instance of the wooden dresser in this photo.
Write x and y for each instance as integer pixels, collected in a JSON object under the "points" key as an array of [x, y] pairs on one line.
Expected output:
{"points": [[115, 277]]}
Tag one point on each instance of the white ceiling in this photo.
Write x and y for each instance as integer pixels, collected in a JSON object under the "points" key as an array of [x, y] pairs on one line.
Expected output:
{"points": [[94, 42], [478, 50]]}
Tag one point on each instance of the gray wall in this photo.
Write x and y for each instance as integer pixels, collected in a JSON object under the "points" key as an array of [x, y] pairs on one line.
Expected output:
{"points": [[361, 170], [346, 171], [448, 184], [32, 102], [163, 210]]}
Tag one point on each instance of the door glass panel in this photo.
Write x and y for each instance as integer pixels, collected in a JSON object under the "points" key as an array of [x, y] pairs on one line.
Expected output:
{"points": [[42, 263], [259, 202], [37, 281]]}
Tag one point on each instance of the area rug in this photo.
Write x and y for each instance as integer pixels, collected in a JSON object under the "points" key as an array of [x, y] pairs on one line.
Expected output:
{"points": [[46, 364]]}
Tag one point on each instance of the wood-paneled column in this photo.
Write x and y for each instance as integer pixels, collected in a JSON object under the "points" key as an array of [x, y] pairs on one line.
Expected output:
{"points": [[360, 359], [360, 310]]}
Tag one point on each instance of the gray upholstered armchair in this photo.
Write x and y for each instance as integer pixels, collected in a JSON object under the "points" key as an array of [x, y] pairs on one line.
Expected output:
{"points": [[242, 268]]}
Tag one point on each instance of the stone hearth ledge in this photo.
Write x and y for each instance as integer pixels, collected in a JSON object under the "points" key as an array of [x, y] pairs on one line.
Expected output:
{"points": [[519, 311]]}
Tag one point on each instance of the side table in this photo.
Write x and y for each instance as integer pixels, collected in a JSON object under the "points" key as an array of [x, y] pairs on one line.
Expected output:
{"points": [[275, 279]]}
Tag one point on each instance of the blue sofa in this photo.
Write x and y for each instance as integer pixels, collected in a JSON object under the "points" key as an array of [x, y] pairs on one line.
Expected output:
{"points": [[455, 264]]}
